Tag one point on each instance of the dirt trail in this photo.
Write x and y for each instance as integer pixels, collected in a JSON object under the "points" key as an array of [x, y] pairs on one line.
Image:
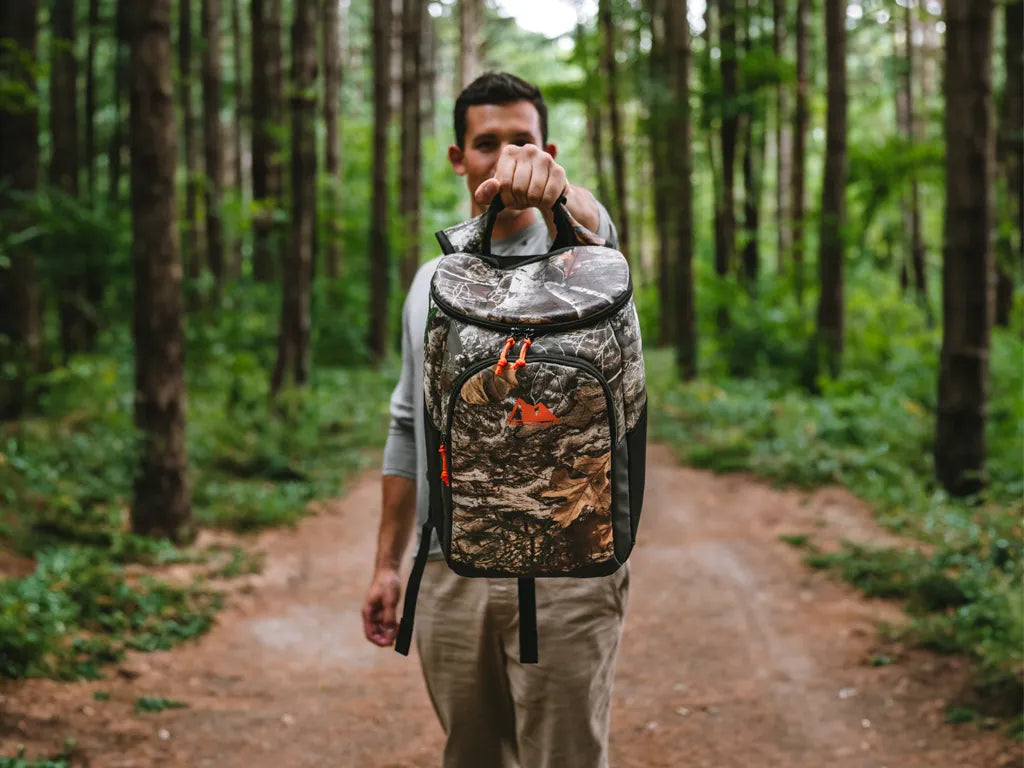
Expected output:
{"points": [[735, 655]]}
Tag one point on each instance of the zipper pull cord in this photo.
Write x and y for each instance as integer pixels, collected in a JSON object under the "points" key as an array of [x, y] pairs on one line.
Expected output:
{"points": [[522, 354], [503, 359], [444, 465]]}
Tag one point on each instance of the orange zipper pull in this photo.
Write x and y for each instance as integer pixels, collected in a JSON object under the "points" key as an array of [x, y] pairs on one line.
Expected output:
{"points": [[503, 360], [444, 465], [522, 354]]}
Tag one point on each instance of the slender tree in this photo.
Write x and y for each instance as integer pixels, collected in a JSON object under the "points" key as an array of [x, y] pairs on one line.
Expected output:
{"points": [[725, 258], [89, 146], [332, 157], [917, 252], [783, 146], [116, 149], [378, 335], [192, 257], [213, 141], [1010, 149], [663, 175], [234, 249], [677, 43], [267, 118], [162, 501], [610, 70], [409, 203], [833, 194], [801, 121], [21, 320], [753, 155], [470, 18], [967, 251], [293, 341]]}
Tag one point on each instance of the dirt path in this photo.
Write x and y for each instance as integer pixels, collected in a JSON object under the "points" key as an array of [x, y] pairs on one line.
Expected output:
{"points": [[734, 656]]}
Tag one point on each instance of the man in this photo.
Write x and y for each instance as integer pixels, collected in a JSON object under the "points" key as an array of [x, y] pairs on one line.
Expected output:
{"points": [[496, 712]]}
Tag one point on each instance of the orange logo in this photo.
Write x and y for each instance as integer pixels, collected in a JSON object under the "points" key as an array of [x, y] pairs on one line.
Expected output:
{"points": [[527, 413]]}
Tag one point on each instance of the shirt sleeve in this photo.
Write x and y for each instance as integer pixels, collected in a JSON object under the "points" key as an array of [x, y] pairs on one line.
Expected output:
{"points": [[400, 448], [606, 227]]}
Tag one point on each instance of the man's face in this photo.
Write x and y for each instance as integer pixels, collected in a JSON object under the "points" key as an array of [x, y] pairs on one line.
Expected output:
{"points": [[489, 129]]}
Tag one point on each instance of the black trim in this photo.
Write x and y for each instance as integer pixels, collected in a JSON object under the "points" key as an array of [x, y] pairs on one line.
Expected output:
{"points": [[446, 245], [636, 445], [564, 236], [527, 621], [536, 328], [404, 637]]}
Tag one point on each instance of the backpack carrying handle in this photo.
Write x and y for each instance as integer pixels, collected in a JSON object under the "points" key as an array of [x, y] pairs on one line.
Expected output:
{"points": [[564, 234]]}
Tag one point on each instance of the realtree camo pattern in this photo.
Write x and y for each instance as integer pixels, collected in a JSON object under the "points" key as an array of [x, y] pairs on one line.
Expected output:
{"points": [[531, 498]]}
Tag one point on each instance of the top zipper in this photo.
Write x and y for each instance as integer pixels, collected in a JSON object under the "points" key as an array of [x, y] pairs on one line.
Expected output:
{"points": [[533, 329]]}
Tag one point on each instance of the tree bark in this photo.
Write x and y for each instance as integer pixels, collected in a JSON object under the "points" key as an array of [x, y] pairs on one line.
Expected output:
{"points": [[677, 32], [192, 256], [267, 121], [661, 171], [21, 323], [378, 332], [412, 13], [833, 195], [332, 158], [120, 85], [917, 252], [783, 140], [76, 283], [610, 69], [753, 159], [234, 268], [801, 121], [213, 142], [967, 251], [470, 19], [292, 366], [1011, 158], [593, 100], [162, 501], [89, 147], [726, 257]]}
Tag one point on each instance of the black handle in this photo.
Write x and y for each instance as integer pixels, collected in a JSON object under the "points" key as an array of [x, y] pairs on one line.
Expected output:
{"points": [[564, 236]]}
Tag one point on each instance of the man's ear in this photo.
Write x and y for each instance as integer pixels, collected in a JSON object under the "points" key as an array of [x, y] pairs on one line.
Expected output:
{"points": [[552, 150], [457, 157]]}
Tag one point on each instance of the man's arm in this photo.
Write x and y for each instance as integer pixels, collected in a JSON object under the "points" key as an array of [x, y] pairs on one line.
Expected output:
{"points": [[398, 507]]}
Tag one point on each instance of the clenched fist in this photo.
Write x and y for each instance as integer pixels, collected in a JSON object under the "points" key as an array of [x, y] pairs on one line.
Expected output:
{"points": [[527, 177]]}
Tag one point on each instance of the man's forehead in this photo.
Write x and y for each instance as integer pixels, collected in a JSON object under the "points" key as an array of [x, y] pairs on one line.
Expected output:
{"points": [[501, 119]]}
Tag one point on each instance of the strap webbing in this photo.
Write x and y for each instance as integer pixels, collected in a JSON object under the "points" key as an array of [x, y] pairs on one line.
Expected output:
{"points": [[527, 621], [404, 636]]}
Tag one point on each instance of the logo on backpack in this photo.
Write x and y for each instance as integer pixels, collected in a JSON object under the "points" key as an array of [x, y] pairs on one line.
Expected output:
{"points": [[526, 413]]}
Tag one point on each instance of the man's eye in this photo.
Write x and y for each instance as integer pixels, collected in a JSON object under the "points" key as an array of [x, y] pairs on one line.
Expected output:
{"points": [[522, 142], [486, 145]]}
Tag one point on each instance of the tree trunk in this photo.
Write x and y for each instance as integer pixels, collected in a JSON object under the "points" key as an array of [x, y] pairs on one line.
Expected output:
{"points": [[238, 114], [917, 252], [89, 147], [593, 100], [661, 171], [801, 120], [412, 14], [332, 158], [1011, 158], [753, 159], [120, 84], [725, 258], [378, 332], [711, 129], [161, 505], [783, 139], [192, 256], [76, 282], [833, 195], [21, 322], [610, 69], [213, 142], [677, 44], [292, 366], [470, 19], [267, 121], [430, 67], [967, 250]]}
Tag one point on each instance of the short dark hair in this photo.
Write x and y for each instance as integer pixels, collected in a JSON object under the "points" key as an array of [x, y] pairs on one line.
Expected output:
{"points": [[497, 88]]}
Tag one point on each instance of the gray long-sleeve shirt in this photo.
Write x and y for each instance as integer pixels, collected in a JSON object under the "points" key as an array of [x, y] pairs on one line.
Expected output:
{"points": [[405, 452]]}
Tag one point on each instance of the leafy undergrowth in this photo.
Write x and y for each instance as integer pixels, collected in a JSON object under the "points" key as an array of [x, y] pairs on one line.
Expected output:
{"points": [[871, 431], [65, 491]]}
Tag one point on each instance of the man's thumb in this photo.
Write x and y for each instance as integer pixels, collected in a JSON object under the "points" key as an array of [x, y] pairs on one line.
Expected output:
{"points": [[486, 191]]}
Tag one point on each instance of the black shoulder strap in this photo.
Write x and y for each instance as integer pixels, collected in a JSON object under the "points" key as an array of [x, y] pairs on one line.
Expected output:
{"points": [[404, 637], [527, 621]]}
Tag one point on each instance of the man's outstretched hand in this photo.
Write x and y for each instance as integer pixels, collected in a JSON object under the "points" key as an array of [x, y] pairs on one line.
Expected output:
{"points": [[380, 619], [527, 177]]}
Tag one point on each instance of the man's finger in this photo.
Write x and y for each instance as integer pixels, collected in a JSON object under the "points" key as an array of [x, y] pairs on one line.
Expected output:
{"points": [[486, 191], [538, 183], [504, 172]]}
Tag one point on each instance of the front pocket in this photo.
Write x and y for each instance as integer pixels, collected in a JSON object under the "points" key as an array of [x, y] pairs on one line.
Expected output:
{"points": [[529, 454]]}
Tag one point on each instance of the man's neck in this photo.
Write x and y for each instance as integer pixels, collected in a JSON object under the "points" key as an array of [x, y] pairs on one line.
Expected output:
{"points": [[506, 227]]}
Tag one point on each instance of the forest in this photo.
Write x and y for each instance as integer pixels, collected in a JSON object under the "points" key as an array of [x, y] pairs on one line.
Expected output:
{"points": [[210, 211]]}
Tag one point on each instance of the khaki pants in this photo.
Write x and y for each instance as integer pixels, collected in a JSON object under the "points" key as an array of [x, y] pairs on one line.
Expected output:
{"points": [[498, 713]]}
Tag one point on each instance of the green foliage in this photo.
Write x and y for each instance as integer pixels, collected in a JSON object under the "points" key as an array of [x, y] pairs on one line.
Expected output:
{"points": [[157, 704], [22, 762]]}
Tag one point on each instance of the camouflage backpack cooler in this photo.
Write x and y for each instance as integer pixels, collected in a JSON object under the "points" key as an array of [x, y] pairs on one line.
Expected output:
{"points": [[535, 412]]}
